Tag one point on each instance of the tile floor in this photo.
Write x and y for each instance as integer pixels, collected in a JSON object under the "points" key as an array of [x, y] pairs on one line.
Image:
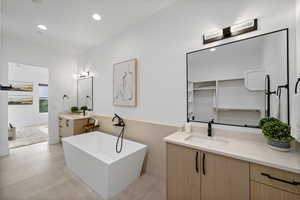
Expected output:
{"points": [[38, 172]]}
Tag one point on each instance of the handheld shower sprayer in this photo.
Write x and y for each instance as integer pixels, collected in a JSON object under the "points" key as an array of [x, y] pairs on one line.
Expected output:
{"points": [[119, 122]]}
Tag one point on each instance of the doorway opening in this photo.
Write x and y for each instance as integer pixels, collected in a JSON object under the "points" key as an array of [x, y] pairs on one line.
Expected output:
{"points": [[27, 105]]}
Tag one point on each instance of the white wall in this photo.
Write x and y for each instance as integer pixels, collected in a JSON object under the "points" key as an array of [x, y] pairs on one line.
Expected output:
{"points": [[298, 35], [160, 44], [61, 69], [27, 115], [3, 97]]}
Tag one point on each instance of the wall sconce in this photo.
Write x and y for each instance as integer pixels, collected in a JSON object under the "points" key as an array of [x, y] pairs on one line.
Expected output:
{"points": [[65, 97], [84, 74], [234, 30]]}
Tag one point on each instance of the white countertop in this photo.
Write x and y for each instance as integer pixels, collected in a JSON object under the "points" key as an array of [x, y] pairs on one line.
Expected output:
{"points": [[243, 146], [74, 116]]}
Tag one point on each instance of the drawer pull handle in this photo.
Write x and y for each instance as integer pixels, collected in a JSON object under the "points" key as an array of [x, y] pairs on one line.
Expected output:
{"points": [[197, 168], [280, 180]]}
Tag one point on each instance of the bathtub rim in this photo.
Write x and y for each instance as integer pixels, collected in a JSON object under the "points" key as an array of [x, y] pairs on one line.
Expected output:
{"points": [[142, 148]]}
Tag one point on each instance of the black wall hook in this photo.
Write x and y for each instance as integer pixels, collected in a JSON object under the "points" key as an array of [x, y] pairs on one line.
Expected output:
{"points": [[278, 93], [283, 86], [297, 84]]}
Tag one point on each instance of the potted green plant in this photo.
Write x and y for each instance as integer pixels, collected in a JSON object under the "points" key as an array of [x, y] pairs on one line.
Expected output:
{"points": [[278, 133], [74, 109]]}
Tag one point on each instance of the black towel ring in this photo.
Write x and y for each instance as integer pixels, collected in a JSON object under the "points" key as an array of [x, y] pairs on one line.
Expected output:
{"points": [[296, 87]]}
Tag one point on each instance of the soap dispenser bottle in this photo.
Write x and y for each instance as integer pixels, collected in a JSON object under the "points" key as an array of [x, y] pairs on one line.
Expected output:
{"points": [[188, 127]]}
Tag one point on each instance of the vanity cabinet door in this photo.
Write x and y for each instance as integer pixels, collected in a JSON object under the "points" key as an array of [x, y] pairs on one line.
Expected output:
{"points": [[264, 192], [65, 127], [224, 178], [183, 173]]}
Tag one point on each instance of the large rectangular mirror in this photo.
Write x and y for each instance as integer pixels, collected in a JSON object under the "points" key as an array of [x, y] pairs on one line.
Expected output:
{"points": [[85, 92], [240, 82]]}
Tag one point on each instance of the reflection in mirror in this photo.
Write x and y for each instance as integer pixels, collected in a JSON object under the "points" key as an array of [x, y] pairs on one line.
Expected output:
{"points": [[85, 92], [239, 83]]}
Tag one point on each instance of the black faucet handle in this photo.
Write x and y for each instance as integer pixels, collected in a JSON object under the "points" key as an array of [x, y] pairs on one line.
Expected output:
{"points": [[120, 121]]}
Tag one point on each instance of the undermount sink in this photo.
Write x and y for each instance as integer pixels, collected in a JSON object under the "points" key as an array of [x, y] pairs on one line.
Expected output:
{"points": [[205, 140]]}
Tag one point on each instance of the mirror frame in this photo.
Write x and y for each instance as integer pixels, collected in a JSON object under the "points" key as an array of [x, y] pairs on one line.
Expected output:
{"points": [[286, 30], [92, 91]]}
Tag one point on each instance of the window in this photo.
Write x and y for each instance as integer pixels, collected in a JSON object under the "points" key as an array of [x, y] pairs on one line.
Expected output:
{"points": [[43, 98]]}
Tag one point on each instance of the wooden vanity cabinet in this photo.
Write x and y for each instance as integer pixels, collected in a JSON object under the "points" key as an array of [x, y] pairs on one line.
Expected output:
{"points": [[261, 191], [273, 184], [196, 175], [183, 173], [69, 127], [224, 178]]}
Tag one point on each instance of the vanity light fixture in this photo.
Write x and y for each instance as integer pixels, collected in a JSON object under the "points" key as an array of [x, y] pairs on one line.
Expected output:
{"points": [[212, 36], [231, 31], [97, 17], [243, 27], [37, 1], [42, 27], [84, 74]]}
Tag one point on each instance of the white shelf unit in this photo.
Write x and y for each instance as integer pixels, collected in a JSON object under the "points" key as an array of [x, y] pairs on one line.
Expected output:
{"points": [[241, 108], [205, 88], [190, 98], [204, 85], [229, 99], [204, 93]]}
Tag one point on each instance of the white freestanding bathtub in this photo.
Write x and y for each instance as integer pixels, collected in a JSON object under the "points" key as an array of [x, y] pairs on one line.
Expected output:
{"points": [[93, 158]]}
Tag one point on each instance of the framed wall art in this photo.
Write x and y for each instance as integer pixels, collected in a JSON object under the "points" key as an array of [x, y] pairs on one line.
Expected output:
{"points": [[125, 83]]}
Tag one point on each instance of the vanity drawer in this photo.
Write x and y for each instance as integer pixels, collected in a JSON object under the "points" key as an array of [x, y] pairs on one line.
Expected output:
{"points": [[274, 177]]}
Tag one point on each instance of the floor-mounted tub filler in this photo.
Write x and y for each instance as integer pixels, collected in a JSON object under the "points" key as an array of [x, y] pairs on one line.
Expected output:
{"points": [[93, 158]]}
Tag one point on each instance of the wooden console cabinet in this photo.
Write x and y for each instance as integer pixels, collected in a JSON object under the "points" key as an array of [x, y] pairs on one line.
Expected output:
{"points": [[71, 125]]}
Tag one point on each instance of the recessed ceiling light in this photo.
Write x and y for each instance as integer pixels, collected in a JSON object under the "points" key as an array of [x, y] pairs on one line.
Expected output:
{"points": [[213, 49], [42, 27], [37, 1], [97, 17]]}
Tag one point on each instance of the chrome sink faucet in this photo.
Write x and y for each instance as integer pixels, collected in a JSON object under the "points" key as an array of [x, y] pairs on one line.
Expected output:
{"points": [[209, 128]]}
